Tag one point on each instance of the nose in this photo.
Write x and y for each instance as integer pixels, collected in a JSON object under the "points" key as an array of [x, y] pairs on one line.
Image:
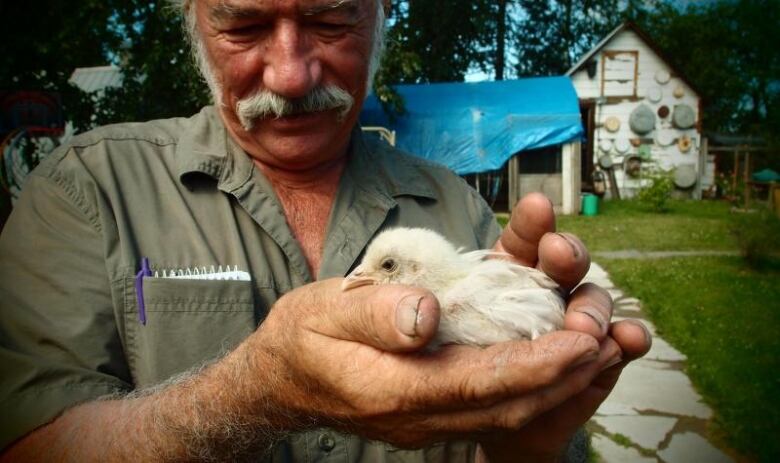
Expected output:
{"points": [[290, 69]]}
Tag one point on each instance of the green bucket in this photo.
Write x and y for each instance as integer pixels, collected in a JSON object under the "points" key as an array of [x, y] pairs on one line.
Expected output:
{"points": [[590, 204]]}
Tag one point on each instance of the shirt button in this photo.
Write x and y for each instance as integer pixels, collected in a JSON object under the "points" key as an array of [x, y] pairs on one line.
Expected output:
{"points": [[326, 442]]}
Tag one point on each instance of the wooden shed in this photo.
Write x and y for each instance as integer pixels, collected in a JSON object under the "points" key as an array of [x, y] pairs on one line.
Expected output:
{"points": [[640, 114]]}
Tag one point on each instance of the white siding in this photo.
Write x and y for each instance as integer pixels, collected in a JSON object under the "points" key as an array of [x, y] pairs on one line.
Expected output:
{"points": [[666, 157]]}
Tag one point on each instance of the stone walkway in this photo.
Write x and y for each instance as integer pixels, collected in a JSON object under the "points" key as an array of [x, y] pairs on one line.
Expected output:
{"points": [[653, 414]]}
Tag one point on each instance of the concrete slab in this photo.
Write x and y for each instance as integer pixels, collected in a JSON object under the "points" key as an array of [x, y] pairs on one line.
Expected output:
{"points": [[689, 447], [627, 307], [647, 431], [646, 385], [596, 271], [612, 408], [630, 300], [663, 351], [610, 452]]}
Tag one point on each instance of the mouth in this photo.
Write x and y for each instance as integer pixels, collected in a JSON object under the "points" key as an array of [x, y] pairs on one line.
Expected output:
{"points": [[352, 282]]}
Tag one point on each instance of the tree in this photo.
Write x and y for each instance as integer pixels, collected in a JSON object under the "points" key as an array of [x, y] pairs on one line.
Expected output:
{"points": [[144, 36], [552, 34], [64, 38], [728, 50], [160, 78]]}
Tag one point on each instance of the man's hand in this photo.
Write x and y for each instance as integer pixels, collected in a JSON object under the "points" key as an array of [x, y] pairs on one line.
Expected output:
{"points": [[530, 238], [348, 360]]}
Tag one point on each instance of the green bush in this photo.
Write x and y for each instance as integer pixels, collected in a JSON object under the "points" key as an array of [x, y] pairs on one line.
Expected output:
{"points": [[757, 234], [656, 194]]}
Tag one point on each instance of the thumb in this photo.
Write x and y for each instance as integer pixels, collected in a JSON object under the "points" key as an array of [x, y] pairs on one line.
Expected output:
{"points": [[392, 318]]}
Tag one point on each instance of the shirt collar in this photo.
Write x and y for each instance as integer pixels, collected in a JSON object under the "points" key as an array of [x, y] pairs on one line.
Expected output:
{"points": [[377, 166], [205, 149]]}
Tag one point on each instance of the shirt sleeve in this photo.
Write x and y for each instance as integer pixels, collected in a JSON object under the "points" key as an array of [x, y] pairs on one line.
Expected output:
{"points": [[59, 343]]}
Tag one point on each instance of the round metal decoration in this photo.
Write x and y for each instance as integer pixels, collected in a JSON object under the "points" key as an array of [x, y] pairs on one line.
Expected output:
{"points": [[684, 143], [605, 161], [612, 124], [683, 117], [662, 76], [663, 112], [633, 166], [679, 92], [622, 145], [665, 137], [642, 119], [654, 94], [605, 145], [685, 176]]}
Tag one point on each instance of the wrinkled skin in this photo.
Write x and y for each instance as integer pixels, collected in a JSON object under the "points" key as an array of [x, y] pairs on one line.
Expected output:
{"points": [[350, 350]]}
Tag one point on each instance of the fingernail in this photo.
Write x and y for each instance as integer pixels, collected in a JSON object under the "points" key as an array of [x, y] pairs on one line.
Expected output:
{"points": [[406, 314], [612, 362], [648, 336], [595, 315], [574, 247]]}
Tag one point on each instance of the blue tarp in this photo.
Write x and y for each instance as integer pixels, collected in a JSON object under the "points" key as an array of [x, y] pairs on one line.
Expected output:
{"points": [[477, 127]]}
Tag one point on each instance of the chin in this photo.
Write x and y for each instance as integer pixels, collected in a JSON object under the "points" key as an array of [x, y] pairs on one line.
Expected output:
{"points": [[302, 141]]}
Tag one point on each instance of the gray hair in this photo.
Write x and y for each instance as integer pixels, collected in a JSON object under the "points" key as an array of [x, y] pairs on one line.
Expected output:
{"points": [[186, 7]]}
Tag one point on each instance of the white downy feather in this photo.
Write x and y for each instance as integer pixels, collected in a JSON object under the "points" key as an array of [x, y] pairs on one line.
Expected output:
{"points": [[484, 299]]}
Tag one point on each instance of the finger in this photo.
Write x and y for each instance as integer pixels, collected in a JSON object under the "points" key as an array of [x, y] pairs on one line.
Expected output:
{"points": [[516, 411], [589, 311], [531, 218], [464, 377], [564, 258], [392, 318], [633, 337]]}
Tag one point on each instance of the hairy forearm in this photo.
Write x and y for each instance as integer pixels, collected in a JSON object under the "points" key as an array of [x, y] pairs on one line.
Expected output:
{"points": [[220, 413]]}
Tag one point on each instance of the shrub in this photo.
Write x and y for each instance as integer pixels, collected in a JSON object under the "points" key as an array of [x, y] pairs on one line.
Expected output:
{"points": [[657, 193], [757, 235]]}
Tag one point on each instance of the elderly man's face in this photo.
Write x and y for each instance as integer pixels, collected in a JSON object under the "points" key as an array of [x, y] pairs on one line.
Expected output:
{"points": [[290, 48]]}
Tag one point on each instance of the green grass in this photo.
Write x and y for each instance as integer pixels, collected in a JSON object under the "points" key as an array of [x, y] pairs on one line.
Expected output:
{"points": [[719, 311], [622, 440], [689, 225], [725, 318]]}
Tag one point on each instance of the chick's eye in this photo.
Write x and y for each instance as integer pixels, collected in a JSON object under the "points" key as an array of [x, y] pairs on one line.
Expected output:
{"points": [[388, 265]]}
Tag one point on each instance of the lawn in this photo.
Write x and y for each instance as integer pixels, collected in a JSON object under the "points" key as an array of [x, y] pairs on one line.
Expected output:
{"points": [[719, 311], [627, 225], [725, 318]]}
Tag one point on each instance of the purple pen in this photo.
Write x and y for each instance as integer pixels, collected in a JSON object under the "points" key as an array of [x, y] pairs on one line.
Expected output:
{"points": [[139, 288]]}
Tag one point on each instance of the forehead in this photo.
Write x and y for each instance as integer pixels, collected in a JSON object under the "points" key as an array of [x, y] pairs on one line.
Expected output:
{"points": [[232, 9]]}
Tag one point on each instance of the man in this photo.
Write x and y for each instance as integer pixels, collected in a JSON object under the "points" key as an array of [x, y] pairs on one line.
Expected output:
{"points": [[276, 183]]}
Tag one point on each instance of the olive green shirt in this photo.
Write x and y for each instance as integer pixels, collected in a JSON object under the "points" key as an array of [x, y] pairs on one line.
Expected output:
{"points": [[181, 193]]}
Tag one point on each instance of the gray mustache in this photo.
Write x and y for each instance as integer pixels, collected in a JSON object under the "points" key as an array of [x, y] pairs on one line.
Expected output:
{"points": [[266, 104]]}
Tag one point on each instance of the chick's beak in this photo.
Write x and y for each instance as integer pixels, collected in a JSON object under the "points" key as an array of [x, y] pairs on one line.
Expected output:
{"points": [[358, 277]]}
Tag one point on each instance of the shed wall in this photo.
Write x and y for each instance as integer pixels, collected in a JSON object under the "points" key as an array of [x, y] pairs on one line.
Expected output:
{"points": [[648, 64]]}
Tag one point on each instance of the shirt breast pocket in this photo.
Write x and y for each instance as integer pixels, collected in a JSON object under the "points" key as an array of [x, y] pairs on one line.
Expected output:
{"points": [[188, 322]]}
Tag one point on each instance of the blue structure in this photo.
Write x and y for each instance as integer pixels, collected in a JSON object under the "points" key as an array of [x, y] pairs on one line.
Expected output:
{"points": [[477, 127]]}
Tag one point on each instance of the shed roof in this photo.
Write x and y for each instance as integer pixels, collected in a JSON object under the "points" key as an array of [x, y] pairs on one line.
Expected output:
{"points": [[476, 127], [96, 78], [630, 25]]}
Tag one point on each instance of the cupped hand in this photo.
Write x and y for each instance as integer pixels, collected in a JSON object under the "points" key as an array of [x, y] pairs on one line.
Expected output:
{"points": [[531, 239], [350, 360]]}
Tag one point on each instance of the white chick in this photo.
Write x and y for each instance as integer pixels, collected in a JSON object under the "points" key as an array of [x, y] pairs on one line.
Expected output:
{"points": [[483, 301]]}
